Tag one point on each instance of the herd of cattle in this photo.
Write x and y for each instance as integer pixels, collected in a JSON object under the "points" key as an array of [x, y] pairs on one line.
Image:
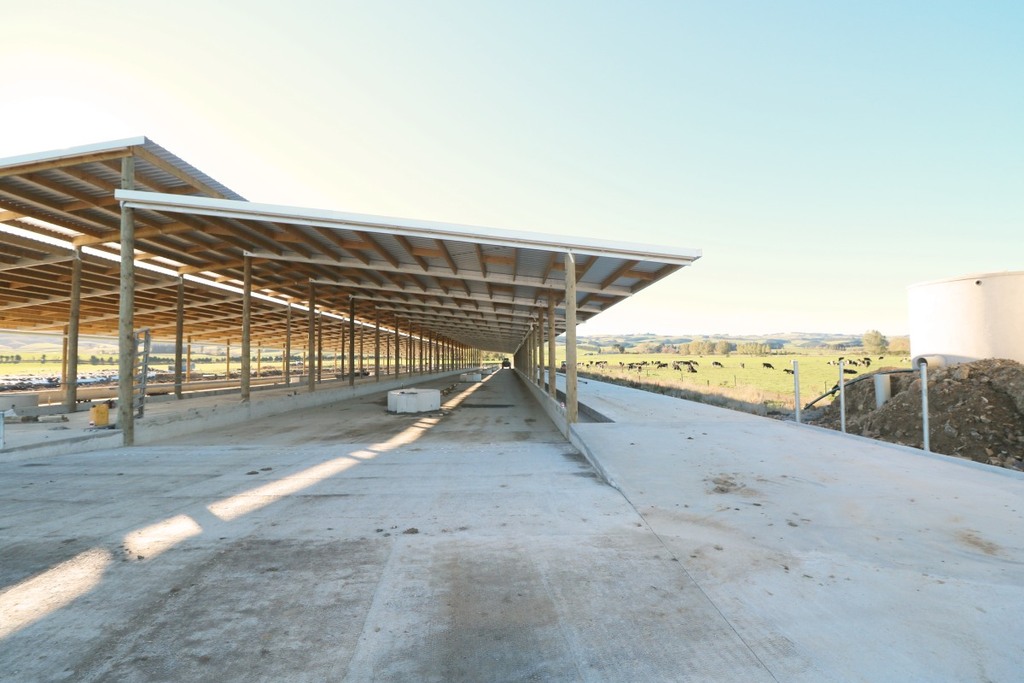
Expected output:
{"points": [[692, 365]]}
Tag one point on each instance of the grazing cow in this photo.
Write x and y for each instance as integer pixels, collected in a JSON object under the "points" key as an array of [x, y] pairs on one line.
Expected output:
{"points": [[716, 364], [743, 365], [767, 366], [661, 365], [788, 371], [848, 371]]}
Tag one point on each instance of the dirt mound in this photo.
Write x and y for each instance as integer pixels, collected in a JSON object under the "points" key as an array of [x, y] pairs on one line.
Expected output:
{"points": [[976, 411]]}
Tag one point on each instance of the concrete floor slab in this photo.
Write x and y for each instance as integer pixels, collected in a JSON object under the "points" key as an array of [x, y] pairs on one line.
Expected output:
{"points": [[870, 561], [344, 543]]}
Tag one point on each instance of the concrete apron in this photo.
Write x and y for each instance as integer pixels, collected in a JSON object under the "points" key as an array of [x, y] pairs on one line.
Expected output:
{"points": [[473, 544], [833, 557]]}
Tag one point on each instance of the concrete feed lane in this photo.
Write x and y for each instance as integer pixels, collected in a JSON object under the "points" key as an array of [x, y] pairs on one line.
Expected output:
{"points": [[344, 543]]}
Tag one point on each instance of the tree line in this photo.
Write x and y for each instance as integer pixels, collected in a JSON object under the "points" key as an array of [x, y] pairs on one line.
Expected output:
{"points": [[872, 342]]}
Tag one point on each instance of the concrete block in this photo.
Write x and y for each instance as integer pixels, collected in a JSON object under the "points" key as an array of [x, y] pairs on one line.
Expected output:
{"points": [[414, 400], [19, 401], [470, 377]]}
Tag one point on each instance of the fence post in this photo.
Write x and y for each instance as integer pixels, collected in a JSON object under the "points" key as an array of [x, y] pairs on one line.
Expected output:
{"points": [[796, 388], [924, 402], [842, 399]]}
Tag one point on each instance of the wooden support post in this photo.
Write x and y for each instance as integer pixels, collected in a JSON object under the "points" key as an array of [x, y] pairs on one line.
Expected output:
{"points": [[74, 318], [376, 345], [246, 326], [126, 313], [64, 356], [344, 339], [320, 347], [552, 384], [311, 337], [571, 388], [421, 351], [540, 350], [352, 340], [398, 350], [188, 360], [288, 347], [531, 356], [179, 332]]}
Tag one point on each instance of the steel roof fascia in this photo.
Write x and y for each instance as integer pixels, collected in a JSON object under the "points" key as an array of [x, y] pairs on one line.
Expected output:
{"points": [[409, 227], [71, 152]]}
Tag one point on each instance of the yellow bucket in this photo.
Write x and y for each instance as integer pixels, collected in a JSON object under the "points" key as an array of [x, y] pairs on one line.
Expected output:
{"points": [[99, 416]]}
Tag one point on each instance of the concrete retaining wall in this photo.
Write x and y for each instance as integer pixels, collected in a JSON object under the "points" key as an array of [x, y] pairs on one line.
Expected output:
{"points": [[556, 412]]}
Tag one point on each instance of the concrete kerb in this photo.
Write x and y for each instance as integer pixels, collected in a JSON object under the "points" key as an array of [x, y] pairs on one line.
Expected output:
{"points": [[555, 411]]}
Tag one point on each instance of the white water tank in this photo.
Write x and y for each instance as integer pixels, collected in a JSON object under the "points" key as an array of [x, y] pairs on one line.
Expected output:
{"points": [[968, 318]]}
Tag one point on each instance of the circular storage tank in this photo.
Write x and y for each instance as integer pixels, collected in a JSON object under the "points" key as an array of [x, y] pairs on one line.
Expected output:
{"points": [[968, 318]]}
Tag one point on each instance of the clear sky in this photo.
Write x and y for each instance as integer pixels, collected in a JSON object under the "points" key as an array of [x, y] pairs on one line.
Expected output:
{"points": [[823, 155]]}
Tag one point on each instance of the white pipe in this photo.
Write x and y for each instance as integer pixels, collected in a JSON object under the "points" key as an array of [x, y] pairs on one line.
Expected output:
{"points": [[924, 403], [883, 389], [796, 388], [842, 399]]}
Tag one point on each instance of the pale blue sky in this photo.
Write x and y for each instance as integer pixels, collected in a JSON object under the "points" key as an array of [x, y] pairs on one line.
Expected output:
{"points": [[823, 155]]}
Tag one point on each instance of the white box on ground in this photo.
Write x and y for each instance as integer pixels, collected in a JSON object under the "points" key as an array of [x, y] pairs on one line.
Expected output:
{"points": [[414, 400], [470, 377], [18, 401]]}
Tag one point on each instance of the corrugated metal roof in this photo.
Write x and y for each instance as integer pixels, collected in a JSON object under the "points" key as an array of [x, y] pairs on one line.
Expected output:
{"points": [[474, 286]]}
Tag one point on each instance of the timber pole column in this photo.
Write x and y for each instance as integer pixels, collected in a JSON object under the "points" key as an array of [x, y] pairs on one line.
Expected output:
{"points": [[540, 351], [572, 409], [319, 347], [179, 332], [288, 347], [311, 340], [246, 327], [376, 345], [126, 313], [352, 341], [74, 318], [398, 350], [552, 385]]}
